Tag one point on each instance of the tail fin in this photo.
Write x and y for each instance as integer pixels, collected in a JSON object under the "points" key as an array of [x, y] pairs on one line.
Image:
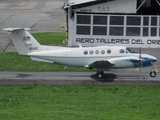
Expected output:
{"points": [[23, 40]]}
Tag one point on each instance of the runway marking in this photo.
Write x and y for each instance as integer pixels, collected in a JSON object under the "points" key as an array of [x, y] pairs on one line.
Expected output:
{"points": [[18, 11]]}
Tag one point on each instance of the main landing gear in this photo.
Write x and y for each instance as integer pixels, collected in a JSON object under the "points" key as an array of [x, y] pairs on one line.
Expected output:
{"points": [[100, 74]]}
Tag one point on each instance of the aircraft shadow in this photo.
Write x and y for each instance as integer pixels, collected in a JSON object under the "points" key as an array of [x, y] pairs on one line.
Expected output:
{"points": [[108, 77], [23, 75]]}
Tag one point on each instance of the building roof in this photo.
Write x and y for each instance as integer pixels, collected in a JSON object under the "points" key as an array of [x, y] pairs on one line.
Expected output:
{"points": [[83, 3], [76, 2]]}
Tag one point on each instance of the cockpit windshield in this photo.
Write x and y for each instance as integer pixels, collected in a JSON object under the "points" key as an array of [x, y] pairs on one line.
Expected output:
{"points": [[129, 50]]}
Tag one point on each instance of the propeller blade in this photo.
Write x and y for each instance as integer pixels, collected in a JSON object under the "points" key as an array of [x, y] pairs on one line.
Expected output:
{"points": [[140, 62], [140, 52]]}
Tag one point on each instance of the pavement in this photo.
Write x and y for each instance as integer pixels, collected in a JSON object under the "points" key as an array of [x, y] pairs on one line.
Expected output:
{"points": [[77, 78], [39, 15], [47, 15]]}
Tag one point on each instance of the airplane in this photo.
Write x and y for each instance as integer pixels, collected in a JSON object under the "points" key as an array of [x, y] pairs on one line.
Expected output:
{"points": [[102, 58]]}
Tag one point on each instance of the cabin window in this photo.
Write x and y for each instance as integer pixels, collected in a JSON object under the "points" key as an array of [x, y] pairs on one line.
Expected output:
{"points": [[91, 52], [85, 52], [65, 53], [102, 52], [129, 50], [97, 51], [108, 51], [121, 51]]}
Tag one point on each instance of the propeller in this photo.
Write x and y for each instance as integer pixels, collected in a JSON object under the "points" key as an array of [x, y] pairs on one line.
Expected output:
{"points": [[140, 59]]}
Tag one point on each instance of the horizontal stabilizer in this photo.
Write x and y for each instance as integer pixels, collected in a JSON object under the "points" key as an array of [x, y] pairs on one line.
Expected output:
{"points": [[15, 29]]}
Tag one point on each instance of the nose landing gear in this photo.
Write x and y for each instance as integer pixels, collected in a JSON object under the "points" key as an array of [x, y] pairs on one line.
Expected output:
{"points": [[153, 73]]}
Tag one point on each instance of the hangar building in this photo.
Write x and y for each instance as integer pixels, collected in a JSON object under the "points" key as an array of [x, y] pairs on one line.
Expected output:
{"points": [[133, 23]]}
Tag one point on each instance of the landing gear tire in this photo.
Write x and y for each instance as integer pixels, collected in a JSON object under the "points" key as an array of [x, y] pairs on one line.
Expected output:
{"points": [[153, 74], [100, 74]]}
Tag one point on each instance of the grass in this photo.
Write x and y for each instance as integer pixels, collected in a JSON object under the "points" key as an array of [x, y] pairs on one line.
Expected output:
{"points": [[50, 38], [14, 62], [50, 102]]}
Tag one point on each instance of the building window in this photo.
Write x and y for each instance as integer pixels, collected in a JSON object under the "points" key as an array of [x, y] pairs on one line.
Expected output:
{"points": [[83, 30], [145, 31], [117, 31], [116, 20], [100, 20], [153, 31], [153, 21], [133, 31], [99, 30], [146, 21], [131, 20], [83, 19]]}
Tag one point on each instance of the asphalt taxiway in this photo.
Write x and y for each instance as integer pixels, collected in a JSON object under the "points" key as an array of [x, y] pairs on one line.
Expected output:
{"points": [[76, 78]]}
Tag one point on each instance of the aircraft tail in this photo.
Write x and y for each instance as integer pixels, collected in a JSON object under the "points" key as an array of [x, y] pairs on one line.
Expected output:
{"points": [[24, 42]]}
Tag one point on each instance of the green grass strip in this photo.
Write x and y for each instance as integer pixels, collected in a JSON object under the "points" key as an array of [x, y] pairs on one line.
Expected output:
{"points": [[50, 38], [50, 102]]}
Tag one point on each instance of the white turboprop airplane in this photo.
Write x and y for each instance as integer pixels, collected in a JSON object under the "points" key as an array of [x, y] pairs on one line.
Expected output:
{"points": [[102, 58]]}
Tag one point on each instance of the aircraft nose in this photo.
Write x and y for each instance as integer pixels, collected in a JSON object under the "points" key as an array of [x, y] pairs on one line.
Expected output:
{"points": [[148, 60], [153, 59]]}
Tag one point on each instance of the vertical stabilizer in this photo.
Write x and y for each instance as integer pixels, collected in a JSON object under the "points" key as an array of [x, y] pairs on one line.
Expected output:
{"points": [[23, 40]]}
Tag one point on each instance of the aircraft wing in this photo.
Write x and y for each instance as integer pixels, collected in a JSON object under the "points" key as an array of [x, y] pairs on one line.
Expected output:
{"points": [[109, 63], [101, 64]]}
